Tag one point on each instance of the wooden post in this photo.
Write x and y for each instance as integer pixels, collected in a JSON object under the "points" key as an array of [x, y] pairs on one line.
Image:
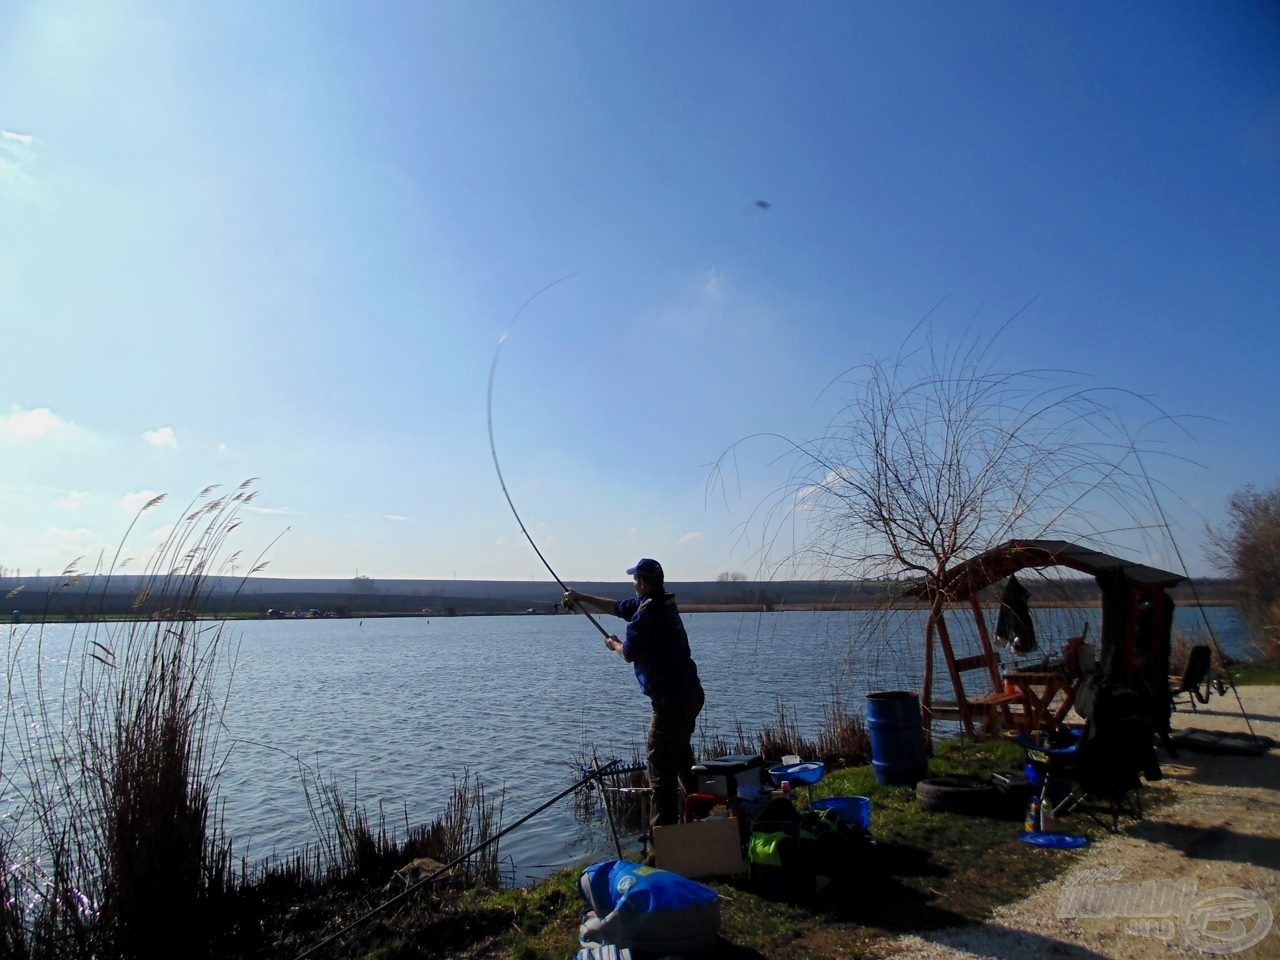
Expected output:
{"points": [[926, 694], [944, 638], [980, 619]]}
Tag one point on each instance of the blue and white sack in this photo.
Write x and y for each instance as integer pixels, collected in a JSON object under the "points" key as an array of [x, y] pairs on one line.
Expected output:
{"points": [[647, 910], [606, 952]]}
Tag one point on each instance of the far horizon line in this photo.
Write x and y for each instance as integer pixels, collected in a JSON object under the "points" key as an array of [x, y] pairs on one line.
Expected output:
{"points": [[261, 576]]}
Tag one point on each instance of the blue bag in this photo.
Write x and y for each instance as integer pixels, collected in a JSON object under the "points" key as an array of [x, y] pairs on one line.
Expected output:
{"points": [[645, 909]]}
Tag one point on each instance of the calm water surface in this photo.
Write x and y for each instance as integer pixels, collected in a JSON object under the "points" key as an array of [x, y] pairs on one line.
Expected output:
{"points": [[396, 709]]}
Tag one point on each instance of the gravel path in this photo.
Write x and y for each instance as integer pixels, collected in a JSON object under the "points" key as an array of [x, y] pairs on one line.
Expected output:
{"points": [[1221, 833]]}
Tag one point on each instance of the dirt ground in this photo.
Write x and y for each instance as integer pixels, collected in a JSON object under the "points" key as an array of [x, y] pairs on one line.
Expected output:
{"points": [[1197, 878]]}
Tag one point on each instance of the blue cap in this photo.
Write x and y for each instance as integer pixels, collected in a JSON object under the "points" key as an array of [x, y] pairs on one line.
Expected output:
{"points": [[647, 568]]}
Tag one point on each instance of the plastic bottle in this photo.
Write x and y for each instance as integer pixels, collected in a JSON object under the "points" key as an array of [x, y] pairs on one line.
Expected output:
{"points": [[785, 786], [1048, 824], [1032, 823]]}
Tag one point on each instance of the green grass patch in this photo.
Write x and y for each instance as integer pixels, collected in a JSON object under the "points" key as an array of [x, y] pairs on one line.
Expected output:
{"points": [[1265, 673]]}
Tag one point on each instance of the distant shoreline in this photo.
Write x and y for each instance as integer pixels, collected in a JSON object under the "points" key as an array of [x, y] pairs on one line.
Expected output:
{"points": [[139, 597], [686, 608]]}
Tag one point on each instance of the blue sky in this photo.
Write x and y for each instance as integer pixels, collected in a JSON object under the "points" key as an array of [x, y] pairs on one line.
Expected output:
{"points": [[282, 241]]}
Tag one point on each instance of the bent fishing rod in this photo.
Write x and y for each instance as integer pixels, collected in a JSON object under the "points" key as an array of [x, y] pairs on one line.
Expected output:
{"points": [[493, 449]]}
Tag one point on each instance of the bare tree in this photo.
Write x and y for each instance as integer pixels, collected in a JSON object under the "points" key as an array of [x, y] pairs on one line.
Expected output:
{"points": [[1247, 547], [939, 453], [731, 588]]}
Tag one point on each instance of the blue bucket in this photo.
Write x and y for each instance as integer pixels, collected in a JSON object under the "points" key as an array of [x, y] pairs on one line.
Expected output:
{"points": [[852, 810], [797, 773], [897, 740]]}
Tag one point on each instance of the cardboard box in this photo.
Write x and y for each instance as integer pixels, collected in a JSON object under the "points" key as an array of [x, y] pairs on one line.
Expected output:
{"points": [[705, 848]]}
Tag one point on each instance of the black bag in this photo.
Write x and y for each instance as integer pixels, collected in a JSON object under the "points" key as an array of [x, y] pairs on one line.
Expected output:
{"points": [[794, 856]]}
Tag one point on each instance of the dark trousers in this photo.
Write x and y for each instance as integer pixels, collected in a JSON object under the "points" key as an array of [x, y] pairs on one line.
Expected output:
{"points": [[671, 753]]}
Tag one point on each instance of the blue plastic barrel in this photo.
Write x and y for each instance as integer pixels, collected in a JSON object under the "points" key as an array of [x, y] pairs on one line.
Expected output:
{"points": [[897, 740]]}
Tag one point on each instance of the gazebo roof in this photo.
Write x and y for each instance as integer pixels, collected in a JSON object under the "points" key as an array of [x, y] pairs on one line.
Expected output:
{"points": [[966, 579]]}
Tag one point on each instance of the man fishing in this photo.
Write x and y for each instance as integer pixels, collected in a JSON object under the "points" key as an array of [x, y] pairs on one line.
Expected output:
{"points": [[657, 645]]}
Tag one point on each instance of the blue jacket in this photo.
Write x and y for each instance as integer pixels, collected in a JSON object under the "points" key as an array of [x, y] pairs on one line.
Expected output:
{"points": [[658, 646]]}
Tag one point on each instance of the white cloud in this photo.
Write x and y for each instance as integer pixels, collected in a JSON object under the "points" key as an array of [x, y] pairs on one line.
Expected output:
{"points": [[713, 285], [19, 424], [807, 496], [268, 510], [57, 549], [222, 449], [161, 437], [18, 153], [72, 500], [160, 534], [67, 537], [690, 536], [133, 502], [394, 516]]}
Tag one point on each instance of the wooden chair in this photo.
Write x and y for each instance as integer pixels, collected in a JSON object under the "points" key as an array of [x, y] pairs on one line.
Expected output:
{"points": [[992, 708]]}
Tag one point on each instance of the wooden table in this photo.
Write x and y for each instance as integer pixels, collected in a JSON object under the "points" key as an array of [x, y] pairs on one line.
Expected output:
{"points": [[1037, 690]]}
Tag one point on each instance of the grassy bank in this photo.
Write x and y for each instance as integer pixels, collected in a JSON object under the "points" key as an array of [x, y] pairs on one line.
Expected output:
{"points": [[1263, 673], [928, 870]]}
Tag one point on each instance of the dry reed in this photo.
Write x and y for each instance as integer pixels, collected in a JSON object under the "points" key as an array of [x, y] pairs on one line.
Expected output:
{"points": [[110, 764], [353, 847], [841, 741], [111, 843]]}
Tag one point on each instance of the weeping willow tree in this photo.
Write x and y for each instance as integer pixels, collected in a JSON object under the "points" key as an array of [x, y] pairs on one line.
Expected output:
{"points": [[941, 452]]}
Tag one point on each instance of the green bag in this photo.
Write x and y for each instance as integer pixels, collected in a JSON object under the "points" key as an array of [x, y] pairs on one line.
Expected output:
{"points": [[797, 857]]}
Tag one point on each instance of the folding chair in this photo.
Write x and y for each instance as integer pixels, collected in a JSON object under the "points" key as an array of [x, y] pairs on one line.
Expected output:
{"points": [[1194, 677], [1101, 766]]}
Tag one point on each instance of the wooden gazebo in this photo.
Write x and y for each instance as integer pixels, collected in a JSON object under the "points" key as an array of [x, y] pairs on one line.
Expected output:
{"points": [[1137, 619]]}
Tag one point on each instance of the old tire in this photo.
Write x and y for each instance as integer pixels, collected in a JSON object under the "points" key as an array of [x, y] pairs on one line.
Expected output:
{"points": [[957, 794]]}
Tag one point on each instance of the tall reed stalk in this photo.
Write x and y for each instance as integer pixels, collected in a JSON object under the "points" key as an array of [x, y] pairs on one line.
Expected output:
{"points": [[111, 842], [842, 741], [353, 847], [109, 759]]}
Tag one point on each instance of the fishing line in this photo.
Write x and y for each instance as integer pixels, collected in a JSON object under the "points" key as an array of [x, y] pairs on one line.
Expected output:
{"points": [[1195, 594], [493, 449]]}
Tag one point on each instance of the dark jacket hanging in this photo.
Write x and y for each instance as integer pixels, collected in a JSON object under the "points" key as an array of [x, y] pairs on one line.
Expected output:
{"points": [[1014, 627]]}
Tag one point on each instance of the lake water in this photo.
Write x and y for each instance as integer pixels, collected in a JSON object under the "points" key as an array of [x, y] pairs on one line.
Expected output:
{"points": [[399, 708]]}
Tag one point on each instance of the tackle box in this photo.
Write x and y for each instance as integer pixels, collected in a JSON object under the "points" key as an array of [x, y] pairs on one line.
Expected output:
{"points": [[737, 775]]}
